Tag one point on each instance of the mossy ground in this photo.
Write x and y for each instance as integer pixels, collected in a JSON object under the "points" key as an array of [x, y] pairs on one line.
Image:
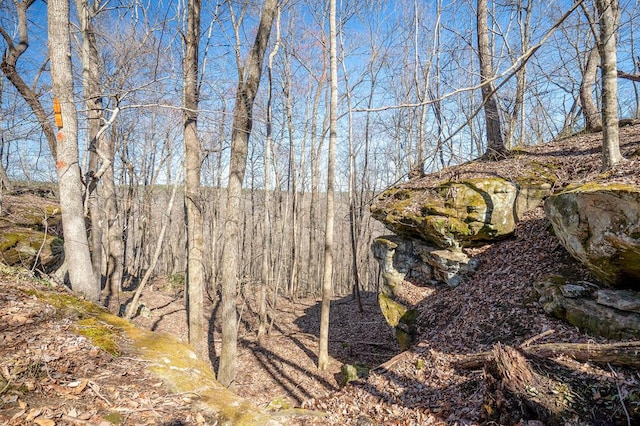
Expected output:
{"points": [[173, 361]]}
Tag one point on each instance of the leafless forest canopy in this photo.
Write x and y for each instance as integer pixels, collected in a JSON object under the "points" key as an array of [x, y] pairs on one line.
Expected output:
{"points": [[409, 98]]}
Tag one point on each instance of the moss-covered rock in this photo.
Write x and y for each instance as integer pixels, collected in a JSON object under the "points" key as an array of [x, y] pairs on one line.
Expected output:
{"points": [[400, 317], [599, 224], [28, 247], [351, 372], [29, 228], [457, 214]]}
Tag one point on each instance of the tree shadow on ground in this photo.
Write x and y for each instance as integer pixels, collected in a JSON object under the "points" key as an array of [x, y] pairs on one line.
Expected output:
{"points": [[354, 337]]}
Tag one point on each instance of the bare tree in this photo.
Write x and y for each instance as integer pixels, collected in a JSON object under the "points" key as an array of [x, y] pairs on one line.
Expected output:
{"points": [[248, 83], [327, 277], [103, 208], [608, 16], [590, 112], [8, 66], [193, 199], [266, 238], [495, 141], [76, 245]]}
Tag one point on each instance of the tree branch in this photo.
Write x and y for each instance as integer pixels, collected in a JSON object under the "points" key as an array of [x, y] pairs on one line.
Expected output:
{"points": [[627, 76]]}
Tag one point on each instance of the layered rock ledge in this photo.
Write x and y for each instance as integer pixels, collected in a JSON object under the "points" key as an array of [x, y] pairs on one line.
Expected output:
{"points": [[595, 215]]}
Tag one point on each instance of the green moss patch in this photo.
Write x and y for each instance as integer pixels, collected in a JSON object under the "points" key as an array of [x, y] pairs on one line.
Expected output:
{"points": [[172, 360], [100, 334]]}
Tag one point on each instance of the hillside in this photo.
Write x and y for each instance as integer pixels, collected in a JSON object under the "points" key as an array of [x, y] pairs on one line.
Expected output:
{"points": [[51, 374]]}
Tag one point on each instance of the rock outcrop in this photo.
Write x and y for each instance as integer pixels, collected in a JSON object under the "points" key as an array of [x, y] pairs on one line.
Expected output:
{"points": [[401, 259], [29, 228], [462, 213], [436, 216], [599, 224], [609, 313]]}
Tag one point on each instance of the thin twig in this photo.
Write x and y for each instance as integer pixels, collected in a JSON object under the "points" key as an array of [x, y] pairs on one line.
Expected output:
{"points": [[74, 420], [94, 387], [537, 337], [624, 407], [45, 222], [5, 387]]}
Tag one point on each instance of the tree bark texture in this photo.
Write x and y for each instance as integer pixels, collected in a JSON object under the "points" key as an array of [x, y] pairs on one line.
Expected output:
{"points": [[76, 244], [495, 140], [550, 398], [193, 201], [266, 224], [608, 14], [93, 102], [592, 120], [248, 84], [327, 276]]}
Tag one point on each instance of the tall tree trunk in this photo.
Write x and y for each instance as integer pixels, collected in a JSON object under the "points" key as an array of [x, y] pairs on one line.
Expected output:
{"points": [[76, 244], [517, 115], [93, 101], [327, 278], [590, 112], [266, 237], [248, 83], [292, 183], [193, 199], [101, 165], [355, 222], [495, 141], [608, 12], [315, 148]]}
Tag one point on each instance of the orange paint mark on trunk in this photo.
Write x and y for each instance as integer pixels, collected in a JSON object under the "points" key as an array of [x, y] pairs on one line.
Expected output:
{"points": [[57, 112], [60, 136], [60, 164]]}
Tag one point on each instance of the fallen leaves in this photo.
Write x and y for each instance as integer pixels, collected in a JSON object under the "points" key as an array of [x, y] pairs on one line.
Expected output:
{"points": [[72, 388], [49, 375]]}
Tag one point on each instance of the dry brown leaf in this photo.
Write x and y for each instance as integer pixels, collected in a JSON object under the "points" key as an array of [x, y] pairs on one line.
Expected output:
{"points": [[44, 422], [78, 386], [33, 413], [18, 414]]}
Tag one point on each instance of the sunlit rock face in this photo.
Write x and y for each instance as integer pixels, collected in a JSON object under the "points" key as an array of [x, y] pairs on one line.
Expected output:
{"points": [[401, 259], [599, 224], [458, 214]]}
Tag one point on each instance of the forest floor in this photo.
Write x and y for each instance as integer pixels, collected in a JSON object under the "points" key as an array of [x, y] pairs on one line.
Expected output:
{"points": [[51, 375]]}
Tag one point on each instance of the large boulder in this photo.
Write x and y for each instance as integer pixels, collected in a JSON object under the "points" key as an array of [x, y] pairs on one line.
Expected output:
{"points": [[457, 214], [401, 259], [599, 224]]}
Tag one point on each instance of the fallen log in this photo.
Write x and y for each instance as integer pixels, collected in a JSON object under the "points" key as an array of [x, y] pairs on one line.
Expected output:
{"points": [[626, 354]]}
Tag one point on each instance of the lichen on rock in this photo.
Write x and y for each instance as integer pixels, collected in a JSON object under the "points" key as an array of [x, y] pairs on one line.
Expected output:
{"points": [[169, 358], [456, 214], [599, 224]]}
